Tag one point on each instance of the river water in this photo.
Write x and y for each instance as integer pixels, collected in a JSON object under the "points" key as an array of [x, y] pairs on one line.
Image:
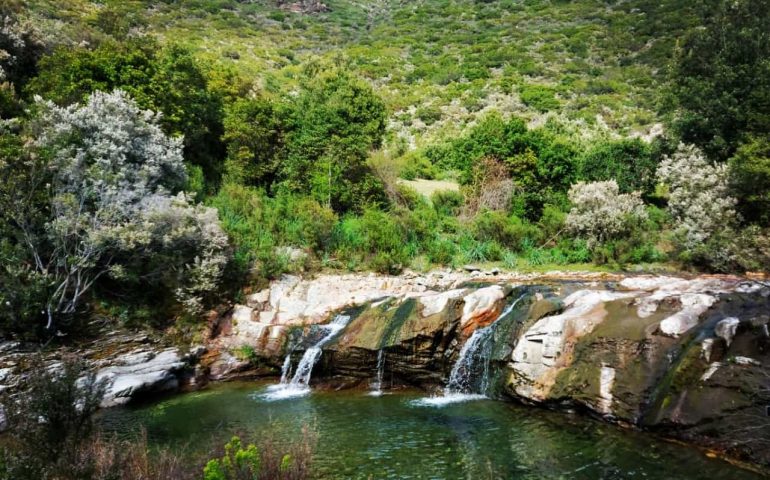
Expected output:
{"points": [[394, 436]]}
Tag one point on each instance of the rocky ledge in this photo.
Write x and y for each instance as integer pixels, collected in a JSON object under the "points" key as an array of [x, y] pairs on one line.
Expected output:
{"points": [[133, 365], [686, 357]]}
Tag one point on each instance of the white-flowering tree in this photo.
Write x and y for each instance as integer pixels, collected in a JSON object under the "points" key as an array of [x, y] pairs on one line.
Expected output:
{"points": [[600, 212], [110, 174], [699, 199]]}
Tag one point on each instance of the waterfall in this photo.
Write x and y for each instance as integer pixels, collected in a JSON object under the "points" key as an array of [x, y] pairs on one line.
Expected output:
{"points": [[300, 382], [286, 369], [470, 374], [377, 385], [469, 378]]}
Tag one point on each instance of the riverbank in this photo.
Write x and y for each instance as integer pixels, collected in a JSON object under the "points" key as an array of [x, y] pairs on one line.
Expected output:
{"points": [[684, 357]]}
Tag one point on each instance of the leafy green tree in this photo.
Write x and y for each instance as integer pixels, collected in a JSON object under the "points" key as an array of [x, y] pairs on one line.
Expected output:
{"points": [[721, 76], [254, 135], [333, 124], [750, 180], [168, 79], [20, 49], [630, 162]]}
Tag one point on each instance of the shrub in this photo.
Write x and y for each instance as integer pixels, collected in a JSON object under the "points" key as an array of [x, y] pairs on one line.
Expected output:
{"points": [[374, 236], [699, 199], [429, 114], [441, 251], [508, 231], [104, 210], [447, 202], [51, 420], [749, 171], [600, 212], [539, 97], [629, 162]]}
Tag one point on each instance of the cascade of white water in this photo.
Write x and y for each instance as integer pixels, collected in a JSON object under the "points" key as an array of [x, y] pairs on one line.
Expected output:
{"points": [[286, 369], [299, 383], [474, 356], [469, 378], [377, 385], [312, 354]]}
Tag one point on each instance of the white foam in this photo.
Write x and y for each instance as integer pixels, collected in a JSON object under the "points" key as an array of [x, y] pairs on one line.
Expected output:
{"points": [[283, 392], [447, 399]]}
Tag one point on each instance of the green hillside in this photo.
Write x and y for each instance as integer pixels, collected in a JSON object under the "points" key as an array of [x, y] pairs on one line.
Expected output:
{"points": [[438, 64]]}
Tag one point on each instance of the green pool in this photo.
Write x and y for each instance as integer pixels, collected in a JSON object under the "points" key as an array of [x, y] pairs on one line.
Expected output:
{"points": [[397, 436]]}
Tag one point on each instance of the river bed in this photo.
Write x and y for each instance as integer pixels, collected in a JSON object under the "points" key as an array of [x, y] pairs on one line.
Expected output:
{"points": [[398, 436]]}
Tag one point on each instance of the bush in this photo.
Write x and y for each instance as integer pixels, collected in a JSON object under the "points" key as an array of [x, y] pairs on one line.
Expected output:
{"points": [[441, 251], [600, 213], [375, 237], [510, 232], [749, 171], [447, 202], [629, 162], [52, 436], [51, 420], [429, 114], [97, 211], [699, 200], [539, 97]]}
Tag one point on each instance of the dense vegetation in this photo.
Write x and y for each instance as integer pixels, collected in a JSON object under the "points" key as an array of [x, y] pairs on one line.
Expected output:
{"points": [[158, 157]]}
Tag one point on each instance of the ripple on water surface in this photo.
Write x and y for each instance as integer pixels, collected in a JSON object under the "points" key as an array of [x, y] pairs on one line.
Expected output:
{"points": [[394, 437]]}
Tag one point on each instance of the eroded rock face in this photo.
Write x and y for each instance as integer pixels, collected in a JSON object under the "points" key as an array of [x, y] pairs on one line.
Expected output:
{"points": [[547, 346], [141, 372], [689, 358], [132, 364], [481, 307]]}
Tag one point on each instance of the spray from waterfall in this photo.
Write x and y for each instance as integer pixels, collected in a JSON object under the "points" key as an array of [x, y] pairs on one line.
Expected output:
{"points": [[299, 385], [470, 375]]}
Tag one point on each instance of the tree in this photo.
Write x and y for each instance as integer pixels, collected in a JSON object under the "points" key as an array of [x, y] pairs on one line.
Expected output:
{"points": [[254, 135], [721, 76], [750, 180], [600, 212], [169, 80], [20, 50], [698, 199], [333, 124], [106, 172], [629, 162]]}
